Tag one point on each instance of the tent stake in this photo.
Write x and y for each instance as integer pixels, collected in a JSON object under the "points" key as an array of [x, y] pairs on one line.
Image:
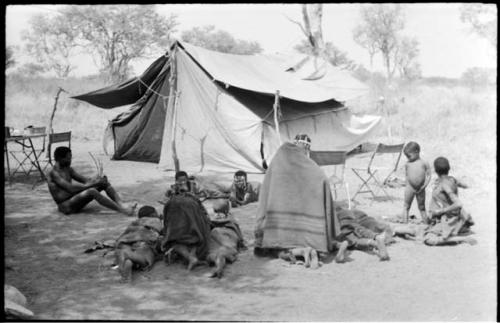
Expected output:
{"points": [[276, 107]]}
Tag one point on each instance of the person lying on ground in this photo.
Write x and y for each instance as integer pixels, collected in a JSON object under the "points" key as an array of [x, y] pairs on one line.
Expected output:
{"points": [[371, 234], [226, 240], [186, 223], [138, 247], [418, 175], [72, 191], [242, 192]]}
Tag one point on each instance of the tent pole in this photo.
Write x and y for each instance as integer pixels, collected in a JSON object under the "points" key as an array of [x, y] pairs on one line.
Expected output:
{"points": [[174, 128], [51, 130], [173, 93], [276, 107]]}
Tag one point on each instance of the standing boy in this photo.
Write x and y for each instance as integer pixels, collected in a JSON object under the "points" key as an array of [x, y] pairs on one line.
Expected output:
{"points": [[418, 175]]}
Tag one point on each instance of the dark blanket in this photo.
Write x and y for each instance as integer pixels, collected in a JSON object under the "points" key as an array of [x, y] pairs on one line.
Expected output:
{"points": [[186, 222], [295, 204]]}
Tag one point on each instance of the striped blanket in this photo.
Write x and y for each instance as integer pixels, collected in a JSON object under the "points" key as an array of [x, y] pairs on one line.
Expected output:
{"points": [[295, 204]]}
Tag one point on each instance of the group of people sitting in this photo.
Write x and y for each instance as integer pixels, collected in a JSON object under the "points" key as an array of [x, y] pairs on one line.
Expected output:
{"points": [[296, 215]]}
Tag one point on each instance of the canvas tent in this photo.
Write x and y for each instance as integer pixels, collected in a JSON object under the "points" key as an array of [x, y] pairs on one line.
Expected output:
{"points": [[210, 111]]}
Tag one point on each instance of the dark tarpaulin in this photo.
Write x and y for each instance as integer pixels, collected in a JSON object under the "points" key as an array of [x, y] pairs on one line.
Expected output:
{"points": [[138, 133], [127, 92]]}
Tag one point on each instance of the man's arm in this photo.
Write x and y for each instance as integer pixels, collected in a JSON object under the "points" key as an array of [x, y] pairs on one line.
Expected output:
{"points": [[69, 186], [77, 177]]}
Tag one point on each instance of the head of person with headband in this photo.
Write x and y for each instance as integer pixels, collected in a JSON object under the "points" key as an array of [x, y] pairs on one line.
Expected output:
{"points": [[304, 142]]}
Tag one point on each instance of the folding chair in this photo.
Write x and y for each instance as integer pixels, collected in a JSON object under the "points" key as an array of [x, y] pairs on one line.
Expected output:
{"points": [[337, 159], [370, 174]]}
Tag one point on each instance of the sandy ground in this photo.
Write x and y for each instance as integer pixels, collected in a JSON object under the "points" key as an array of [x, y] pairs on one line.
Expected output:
{"points": [[44, 259]]}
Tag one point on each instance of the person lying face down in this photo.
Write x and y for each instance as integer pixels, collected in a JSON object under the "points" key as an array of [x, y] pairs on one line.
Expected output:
{"points": [[360, 231], [138, 246], [242, 192], [72, 191], [186, 223]]}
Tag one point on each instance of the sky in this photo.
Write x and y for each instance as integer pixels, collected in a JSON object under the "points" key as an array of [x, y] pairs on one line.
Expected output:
{"points": [[447, 47]]}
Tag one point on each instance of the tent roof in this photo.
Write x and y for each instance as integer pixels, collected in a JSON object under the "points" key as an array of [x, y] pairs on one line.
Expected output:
{"points": [[309, 80]]}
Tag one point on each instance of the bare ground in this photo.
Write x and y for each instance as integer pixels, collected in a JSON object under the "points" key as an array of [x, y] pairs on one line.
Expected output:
{"points": [[44, 259]]}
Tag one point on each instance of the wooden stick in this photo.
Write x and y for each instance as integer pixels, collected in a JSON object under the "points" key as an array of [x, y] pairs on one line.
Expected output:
{"points": [[51, 130], [275, 107]]}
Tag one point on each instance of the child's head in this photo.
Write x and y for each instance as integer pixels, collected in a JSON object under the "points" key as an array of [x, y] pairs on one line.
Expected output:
{"points": [[240, 178], [441, 166], [147, 211], [412, 151]]}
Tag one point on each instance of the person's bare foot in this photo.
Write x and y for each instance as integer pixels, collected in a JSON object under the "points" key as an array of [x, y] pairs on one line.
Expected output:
{"points": [[314, 259], [382, 250], [130, 211], [471, 241], [340, 257]]}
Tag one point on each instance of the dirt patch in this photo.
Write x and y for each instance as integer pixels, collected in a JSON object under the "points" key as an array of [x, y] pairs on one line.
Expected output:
{"points": [[45, 260]]}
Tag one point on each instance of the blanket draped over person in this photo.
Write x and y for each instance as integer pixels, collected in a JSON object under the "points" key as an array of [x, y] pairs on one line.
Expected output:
{"points": [[186, 222], [295, 204]]}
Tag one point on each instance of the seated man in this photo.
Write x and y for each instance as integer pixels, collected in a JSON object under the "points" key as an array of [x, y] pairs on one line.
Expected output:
{"points": [[186, 223], [71, 196], [242, 192], [138, 246]]}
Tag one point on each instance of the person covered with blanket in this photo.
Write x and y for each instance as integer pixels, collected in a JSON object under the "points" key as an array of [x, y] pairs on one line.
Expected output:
{"points": [[296, 209], [362, 231], [138, 246], [186, 223]]}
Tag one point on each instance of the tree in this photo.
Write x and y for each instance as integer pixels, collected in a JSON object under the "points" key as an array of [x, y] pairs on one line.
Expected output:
{"points": [[113, 35], [116, 34], [482, 19], [334, 55], [9, 59], [31, 69], [379, 32], [52, 43], [312, 15], [476, 77], [405, 55], [219, 40]]}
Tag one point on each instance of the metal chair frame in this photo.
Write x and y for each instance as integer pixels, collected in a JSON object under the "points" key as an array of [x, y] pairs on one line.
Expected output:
{"points": [[337, 159], [371, 171]]}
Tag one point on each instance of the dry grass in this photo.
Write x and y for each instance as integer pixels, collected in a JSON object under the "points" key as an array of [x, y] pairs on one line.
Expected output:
{"points": [[29, 101]]}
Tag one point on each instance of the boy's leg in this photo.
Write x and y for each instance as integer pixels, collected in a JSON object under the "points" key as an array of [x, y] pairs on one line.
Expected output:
{"points": [[404, 231], [421, 206], [408, 199]]}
